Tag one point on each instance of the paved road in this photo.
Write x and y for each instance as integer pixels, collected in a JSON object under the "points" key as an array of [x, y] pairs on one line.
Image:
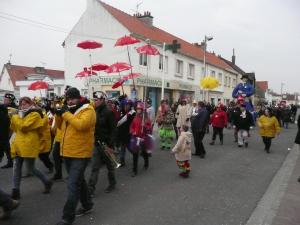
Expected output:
{"points": [[224, 189]]}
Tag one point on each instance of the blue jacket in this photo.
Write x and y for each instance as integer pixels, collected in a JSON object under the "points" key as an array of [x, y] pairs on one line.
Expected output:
{"points": [[247, 89]]}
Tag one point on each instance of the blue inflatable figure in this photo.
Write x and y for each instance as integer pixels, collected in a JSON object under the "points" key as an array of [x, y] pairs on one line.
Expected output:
{"points": [[244, 90]]}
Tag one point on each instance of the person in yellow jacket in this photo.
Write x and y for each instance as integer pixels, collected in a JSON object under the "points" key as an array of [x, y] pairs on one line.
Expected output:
{"points": [[26, 145], [45, 142], [268, 128], [77, 122]]}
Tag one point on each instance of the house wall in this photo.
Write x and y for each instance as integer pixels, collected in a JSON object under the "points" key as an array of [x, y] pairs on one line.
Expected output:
{"points": [[6, 84]]}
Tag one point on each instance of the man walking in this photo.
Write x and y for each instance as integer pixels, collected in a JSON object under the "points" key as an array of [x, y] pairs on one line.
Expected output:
{"points": [[104, 136], [77, 122], [199, 125]]}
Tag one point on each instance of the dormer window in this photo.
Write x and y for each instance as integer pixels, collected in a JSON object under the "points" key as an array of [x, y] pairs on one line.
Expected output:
{"points": [[40, 70]]}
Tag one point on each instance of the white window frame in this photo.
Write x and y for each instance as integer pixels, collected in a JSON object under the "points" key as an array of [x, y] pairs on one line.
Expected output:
{"points": [[191, 71], [143, 60], [220, 78], [161, 63], [179, 68]]}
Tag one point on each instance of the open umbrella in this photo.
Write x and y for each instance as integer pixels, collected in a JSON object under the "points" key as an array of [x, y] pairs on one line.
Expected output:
{"points": [[85, 73], [99, 67], [148, 50], [127, 40], [118, 83], [38, 85], [88, 44], [131, 76], [118, 68]]}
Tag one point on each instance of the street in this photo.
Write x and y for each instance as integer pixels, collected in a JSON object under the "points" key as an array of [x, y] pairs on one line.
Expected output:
{"points": [[223, 189]]}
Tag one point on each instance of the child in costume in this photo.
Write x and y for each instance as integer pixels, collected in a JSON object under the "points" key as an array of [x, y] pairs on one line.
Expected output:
{"points": [[183, 151]]}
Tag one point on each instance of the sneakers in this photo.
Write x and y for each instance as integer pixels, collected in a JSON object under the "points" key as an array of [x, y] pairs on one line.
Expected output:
{"points": [[8, 165], [83, 211], [15, 194], [5, 214], [110, 188], [48, 187]]}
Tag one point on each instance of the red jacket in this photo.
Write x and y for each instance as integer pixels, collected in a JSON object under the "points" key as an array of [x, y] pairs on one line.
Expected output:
{"points": [[136, 127], [219, 119]]}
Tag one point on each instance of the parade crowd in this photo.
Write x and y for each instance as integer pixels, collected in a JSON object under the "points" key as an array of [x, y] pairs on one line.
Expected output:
{"points": [[74, 131]]}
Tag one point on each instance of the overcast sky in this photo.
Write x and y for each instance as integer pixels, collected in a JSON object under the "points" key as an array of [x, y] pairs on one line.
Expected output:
{"points": [[264, 33]]}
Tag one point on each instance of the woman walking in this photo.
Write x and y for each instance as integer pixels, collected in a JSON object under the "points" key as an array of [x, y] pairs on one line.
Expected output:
{"points": [[268, 128], [26, 145], [218, 120]]}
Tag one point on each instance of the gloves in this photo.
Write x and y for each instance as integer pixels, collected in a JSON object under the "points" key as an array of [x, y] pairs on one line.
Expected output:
{"points": [[62, 110]]}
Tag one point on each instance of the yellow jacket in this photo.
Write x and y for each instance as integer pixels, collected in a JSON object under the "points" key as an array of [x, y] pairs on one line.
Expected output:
{"points": [[27, 136], [45, 135], [268, 126], [77, 132]]}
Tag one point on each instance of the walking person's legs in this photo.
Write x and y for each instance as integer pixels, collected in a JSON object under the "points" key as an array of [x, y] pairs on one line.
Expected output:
{"points": [[57, 161]]}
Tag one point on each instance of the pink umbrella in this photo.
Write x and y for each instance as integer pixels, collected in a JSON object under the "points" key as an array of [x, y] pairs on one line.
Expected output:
{"points": [[131, 76], [148, 50], [38, 85], [118, 67], [89, 44], [85, 73], [127, 40], [99, 67], [118, 83]]}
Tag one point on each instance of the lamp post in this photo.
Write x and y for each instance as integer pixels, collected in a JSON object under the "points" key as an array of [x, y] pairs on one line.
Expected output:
{"points": [[206, 39]]}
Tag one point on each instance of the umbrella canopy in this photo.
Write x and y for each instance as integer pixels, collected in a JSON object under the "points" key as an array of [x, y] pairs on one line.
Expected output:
{"points": [[126, 40], [209, 83], [118, 83], [118, 67], [98, 67], [89, 44], [85, 73], [38, 85], [148, 50], [131, 76]]}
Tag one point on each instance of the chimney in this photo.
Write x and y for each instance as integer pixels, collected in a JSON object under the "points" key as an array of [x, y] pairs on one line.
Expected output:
{"points": [[199, 45], [146, 18], [233, 57]]}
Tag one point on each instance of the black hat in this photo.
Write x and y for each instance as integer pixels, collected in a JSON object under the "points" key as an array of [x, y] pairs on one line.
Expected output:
{"points": [[10, 96], [73, 93], [99, 95]]}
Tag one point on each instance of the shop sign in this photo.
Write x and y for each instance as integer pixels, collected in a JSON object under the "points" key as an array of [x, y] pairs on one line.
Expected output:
{"points": [[150, 82], [105, 80]]}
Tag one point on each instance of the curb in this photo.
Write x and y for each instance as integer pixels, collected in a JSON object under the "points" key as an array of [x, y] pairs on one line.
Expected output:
{"points": [[268, 206]]}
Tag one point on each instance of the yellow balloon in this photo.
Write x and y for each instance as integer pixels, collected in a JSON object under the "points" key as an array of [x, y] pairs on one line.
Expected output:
{"points": [[209, 83]]}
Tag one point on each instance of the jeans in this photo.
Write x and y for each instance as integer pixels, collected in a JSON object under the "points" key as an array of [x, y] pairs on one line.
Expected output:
{"points": [[267, 141], [5, 200], [243, 136], [198, 138], [217, 130], [5, 148], [57, 159], [17, 171], [136, 158], [100, 158], [77, 187]]}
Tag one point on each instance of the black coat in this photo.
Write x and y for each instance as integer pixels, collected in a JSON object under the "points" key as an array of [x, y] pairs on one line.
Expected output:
{"points": [[243, 123], [200, 121], [105, 129], [297, 140], [123, 135], [4, 125]]}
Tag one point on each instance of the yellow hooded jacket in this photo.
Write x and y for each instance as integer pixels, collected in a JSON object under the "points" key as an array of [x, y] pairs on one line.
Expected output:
{"points": [[268, 126], [27, 135], [77, 132]]}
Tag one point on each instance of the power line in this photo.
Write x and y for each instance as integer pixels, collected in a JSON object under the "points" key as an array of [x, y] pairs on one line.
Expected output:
{"points": [[44, 26]]}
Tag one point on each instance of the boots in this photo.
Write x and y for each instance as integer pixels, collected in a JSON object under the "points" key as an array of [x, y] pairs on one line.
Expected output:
{"points": [[15, 194]]}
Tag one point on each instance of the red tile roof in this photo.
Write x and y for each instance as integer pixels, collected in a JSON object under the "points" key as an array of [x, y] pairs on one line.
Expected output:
{"points": [[144, 30], [263, 85], [19, 73]]}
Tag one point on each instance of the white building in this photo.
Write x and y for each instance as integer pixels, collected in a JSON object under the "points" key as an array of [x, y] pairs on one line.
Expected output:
{"points": [[16, 80], [183, 70]]}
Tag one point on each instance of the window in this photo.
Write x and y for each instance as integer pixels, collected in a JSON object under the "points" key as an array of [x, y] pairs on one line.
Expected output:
{"points": [[226, 81], [143, 59], [160, 62], [202, 72], [229, 82], [59, 91], [179, 67], [220, 78], [234, 83], [166, 64], [213, 73], [191, 72]]}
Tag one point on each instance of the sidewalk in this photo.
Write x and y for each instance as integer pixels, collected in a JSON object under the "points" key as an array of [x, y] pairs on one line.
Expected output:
{"points": [[280, 205]]}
